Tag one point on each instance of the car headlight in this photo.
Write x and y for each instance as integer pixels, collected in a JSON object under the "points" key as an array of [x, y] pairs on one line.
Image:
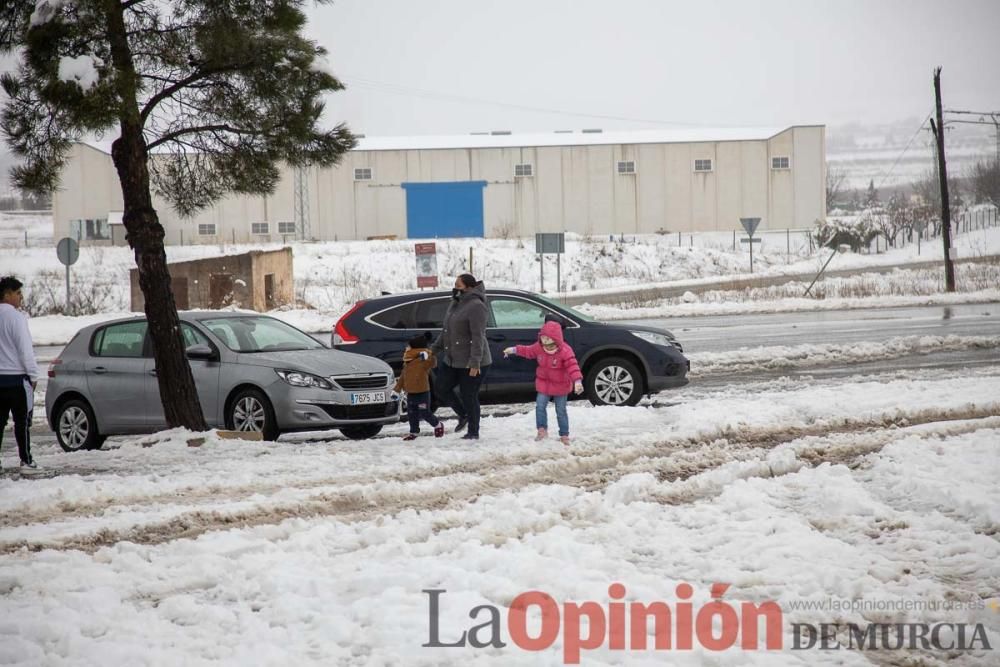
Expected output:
{"points": [[657, 339], [300, 379]]}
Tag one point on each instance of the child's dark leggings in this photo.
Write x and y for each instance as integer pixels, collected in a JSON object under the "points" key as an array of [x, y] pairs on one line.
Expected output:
{"points": [[418, 407]]}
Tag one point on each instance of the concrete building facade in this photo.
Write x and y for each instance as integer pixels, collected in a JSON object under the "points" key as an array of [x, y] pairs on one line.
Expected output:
{"points": [[497, 184]]}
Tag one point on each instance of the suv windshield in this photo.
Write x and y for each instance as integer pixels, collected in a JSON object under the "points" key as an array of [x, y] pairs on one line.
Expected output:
{"points": [[259, 334], [560, 306]]}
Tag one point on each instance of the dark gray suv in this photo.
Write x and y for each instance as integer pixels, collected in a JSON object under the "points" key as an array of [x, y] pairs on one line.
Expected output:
{"points": [[252, 372]]}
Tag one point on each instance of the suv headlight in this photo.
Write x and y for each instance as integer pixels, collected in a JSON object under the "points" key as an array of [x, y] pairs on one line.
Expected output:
{"points": [[300, 379], [657, 339]]}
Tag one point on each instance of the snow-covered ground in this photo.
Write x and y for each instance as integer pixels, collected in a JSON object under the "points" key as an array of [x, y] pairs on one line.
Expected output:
{"points": [[874, 492], [859, 499], [330, 277]]}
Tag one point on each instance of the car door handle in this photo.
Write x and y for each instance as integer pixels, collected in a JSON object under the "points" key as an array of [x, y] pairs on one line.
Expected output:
{"points": [[497, 339], [99, 370], [153, 372]]}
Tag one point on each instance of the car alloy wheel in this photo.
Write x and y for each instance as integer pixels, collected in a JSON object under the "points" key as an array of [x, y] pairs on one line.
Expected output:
{"points": [[614, 385], [614, 381], [251, 411], [249, 415], [74, 427]]}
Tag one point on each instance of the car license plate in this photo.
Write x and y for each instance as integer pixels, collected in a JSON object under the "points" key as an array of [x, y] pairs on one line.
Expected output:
{"points": [[368, 397]]}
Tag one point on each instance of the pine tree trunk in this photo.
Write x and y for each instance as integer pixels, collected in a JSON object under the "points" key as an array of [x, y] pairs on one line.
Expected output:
{"points": [[145, 236]]}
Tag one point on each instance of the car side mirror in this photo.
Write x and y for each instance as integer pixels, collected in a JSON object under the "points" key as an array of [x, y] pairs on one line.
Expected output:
{"points": [[200, 351]]}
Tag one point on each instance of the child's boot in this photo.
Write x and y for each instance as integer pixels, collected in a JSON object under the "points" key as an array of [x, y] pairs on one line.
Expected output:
{"points": [[439, 430], [564, 439], [542, 434]]}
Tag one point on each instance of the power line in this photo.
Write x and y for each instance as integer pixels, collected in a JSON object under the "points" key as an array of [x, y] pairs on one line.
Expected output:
{"points": [[905, 149]]}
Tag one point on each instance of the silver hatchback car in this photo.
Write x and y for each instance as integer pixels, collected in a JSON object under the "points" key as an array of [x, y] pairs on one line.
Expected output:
{"points": [[252, 372]]}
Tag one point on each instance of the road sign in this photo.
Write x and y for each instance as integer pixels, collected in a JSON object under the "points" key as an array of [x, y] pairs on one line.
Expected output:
{"points": [[427, 272], [68, 251], [750, 224], [548, 243]]}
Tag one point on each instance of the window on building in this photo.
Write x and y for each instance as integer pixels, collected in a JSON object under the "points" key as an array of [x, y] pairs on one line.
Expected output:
{"points": [[703, 165], [522, 170], [94, 229], [363, 174], [260, 228], [626, 167], [779, 163], [206, 229], [286, 227]]}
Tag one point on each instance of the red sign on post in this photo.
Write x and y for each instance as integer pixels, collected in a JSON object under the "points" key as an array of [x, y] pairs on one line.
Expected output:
{"points": [[426, 264]]}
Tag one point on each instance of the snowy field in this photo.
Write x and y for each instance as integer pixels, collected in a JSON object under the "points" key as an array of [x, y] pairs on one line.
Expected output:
{"points": [[330, 277], [877, 493]]}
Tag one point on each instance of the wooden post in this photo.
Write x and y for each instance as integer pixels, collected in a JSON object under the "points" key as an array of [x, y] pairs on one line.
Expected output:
{"points": [[949, 267]]}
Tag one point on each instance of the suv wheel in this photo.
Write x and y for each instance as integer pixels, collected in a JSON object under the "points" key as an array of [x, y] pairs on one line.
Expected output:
{"points": [[614, 381], [76, 427], [250, 410], [361, 432]]}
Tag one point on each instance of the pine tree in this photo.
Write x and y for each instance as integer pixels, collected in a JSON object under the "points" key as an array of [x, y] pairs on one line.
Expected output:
{"points": [[220, 91], [871, 196]]}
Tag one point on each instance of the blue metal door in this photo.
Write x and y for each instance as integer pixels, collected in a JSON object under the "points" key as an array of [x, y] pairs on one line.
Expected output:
{"points": [[448, 209]]}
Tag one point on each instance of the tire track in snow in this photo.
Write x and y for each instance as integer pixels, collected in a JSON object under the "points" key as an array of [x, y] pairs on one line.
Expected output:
{"points": [[591, 469]]}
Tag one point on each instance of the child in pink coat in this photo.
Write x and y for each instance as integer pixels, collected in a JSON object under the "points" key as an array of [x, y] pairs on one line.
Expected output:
{"points": [[558, 373]]}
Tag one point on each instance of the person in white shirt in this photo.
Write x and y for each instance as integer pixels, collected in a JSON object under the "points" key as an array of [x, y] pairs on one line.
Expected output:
{"points": [[18, 369]]}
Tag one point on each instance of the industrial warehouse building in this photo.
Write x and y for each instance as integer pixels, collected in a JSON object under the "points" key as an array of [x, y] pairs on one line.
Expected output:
{"points": [[495, 184]]}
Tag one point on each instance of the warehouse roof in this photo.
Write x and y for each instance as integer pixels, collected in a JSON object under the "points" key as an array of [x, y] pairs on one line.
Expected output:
{"points": [[568, 138], [504, 139]]}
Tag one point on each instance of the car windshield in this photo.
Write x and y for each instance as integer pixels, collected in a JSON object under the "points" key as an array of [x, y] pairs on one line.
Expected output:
{"points": [[259, 334], [560, 306]]}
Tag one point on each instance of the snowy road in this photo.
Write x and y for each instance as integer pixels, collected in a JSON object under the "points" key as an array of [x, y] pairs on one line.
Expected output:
{"points": [[861, 466]]}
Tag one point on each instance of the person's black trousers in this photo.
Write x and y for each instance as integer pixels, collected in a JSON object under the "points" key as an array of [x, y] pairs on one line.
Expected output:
{"points": [[14, 400], [466, 404], [418, 406]]}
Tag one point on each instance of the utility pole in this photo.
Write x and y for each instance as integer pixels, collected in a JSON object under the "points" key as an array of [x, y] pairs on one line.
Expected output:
{"points": [[301, 203], [949, 267]]}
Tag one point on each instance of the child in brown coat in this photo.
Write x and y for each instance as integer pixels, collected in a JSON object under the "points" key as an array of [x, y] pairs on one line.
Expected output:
{"points": [[417, 364]]}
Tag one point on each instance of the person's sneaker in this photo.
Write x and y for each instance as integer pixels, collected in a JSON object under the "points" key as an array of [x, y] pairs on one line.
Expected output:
{"points": [[542, 434], [462, 423], [439, 431], [470, 436], [30, 468], [564, 439], [410, 436]]}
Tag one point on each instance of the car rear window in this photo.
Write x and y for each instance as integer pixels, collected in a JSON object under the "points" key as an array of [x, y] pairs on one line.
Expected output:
{"points": [[430, 313], [398, 317], [119, 340]]}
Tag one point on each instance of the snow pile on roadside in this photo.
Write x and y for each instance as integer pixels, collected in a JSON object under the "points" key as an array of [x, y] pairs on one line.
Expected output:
{"points": [[782, 357]]}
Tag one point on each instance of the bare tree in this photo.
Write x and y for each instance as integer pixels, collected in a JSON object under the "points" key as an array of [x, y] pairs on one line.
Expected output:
{"points": [[835, 180]]}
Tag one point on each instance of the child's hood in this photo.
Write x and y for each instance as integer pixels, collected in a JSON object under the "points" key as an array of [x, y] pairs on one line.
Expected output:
{"points": [[553, 331], [414, 353]]}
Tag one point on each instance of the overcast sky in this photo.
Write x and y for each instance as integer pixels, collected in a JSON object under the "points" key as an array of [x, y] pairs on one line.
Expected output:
{"points": [[455, 66]]}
